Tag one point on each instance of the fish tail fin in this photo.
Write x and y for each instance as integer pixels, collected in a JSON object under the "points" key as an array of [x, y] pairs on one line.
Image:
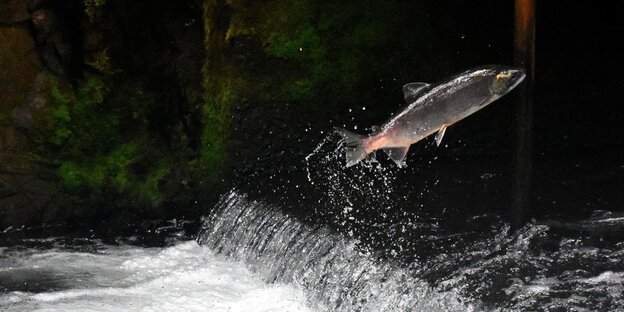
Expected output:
{"points": [[354, 146]]}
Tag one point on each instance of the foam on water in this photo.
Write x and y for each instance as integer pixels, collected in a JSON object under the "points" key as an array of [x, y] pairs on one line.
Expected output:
{"points": [[184, 277]]}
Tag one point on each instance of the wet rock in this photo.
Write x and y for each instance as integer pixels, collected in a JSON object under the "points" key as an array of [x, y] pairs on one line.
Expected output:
{"points": [[24, 116], [58, 34], [13, 11], [28, 191], [19, 64], [24, 192]]}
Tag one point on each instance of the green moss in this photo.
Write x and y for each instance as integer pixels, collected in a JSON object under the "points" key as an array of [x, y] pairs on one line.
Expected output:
{"points": [[80, 120], [58, 97], [71, 174], [299, 90], [223, 87], [101, 61], [62, 113], [5, 119], [114, 171], [93, 9], [304, 43], [221, 94], [92, 154], [334, 50], [149, 188]]}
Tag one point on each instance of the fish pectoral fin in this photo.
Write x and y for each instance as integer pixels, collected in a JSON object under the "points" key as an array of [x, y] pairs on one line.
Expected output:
{"points": [[412, 91], [439, 136], [397, 154]]}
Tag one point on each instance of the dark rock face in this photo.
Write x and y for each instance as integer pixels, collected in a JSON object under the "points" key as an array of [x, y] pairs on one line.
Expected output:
{"points": [[19, 64], [152, 55], [26, 186], [29, 193], [15, 11], [28, 189]]}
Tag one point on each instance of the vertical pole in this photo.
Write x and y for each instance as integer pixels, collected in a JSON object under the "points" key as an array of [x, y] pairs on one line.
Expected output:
{"points": [[524, 56]]}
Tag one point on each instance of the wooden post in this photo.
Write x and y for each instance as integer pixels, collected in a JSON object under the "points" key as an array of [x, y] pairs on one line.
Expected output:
{"points": [[524, 56]]}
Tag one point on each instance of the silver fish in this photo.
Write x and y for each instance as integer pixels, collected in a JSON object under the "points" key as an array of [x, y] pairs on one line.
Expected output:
{"points": [[431, 109]]}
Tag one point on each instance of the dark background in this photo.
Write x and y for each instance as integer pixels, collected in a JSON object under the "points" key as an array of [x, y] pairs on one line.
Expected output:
{"points": [[160, 49], [210, 111]]}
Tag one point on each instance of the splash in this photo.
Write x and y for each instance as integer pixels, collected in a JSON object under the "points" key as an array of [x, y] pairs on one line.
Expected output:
{"points": [[353, 199], [335, 273]]}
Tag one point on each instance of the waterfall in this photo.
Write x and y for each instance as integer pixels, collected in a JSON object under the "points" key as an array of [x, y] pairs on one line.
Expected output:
{"points": [[335, 273]]}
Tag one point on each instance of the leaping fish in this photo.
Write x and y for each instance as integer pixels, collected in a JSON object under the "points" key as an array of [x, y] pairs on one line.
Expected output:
{"points": [[433, 108]]}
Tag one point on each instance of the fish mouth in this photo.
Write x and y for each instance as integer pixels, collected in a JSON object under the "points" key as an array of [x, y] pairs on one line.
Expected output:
{"points": [[518, 76]]}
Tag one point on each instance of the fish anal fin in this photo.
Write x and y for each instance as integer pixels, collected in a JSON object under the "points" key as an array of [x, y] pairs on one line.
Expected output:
{"points": [[397, 154], [440, 135], [412, 91]]}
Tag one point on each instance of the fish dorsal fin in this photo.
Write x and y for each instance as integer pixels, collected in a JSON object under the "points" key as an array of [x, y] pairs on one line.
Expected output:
{"points": [[413, 91], [397, 154]]}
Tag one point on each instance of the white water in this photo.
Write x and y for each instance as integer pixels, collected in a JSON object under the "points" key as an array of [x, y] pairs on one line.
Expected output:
{"points": [[257, 258], [183, 277], [332, 269]]}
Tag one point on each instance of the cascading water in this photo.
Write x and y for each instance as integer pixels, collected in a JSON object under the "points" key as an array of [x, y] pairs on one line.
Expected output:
{"points": [[336, 275], [533, 269]]}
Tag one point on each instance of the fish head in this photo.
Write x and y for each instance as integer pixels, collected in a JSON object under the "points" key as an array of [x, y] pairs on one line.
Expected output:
{"points": [[505, 79]]}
